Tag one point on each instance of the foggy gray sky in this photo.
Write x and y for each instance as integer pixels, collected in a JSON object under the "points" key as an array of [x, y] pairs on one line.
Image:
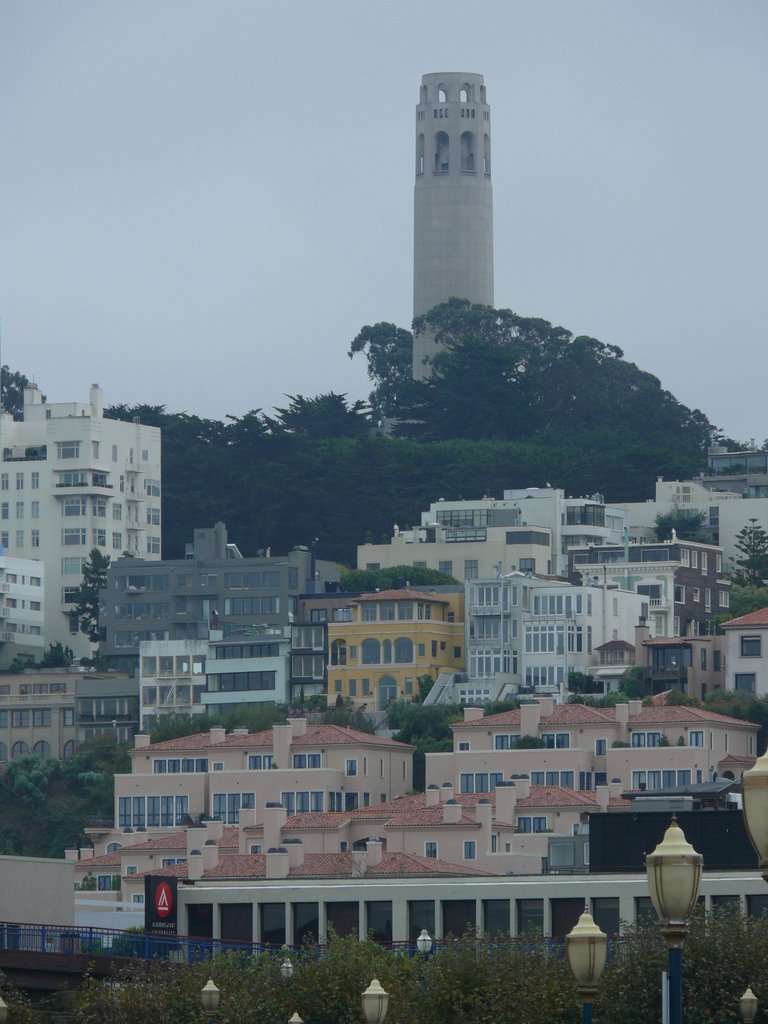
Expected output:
{"points": [[203, 202]]}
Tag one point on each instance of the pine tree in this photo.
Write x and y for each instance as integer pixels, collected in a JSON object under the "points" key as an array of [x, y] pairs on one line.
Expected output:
{"points": [[87, 596], [752, 542]]}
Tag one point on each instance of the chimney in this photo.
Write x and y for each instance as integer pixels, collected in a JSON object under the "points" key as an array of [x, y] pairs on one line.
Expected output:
{"points": [[214, 828], [299, 726], [622, 719], [523, 786], [446, 792], [140, 741], [472, 714], [278, 862], [295, 849], [602, 796], [432, 796], [273, 818], [547, 705], [240, 730], [635, 707], [375, 850], [247, 817], [76, 855], [530, 716], [97, 402], [282, 734], [195, 865], [196, 836], [506, 800], [451, 812], [210, 854], [484, 815], [642, 635], [615, 789], [216, 734]]}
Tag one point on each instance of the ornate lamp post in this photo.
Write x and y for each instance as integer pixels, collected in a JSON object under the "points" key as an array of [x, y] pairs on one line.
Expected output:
{"points": [[674, 874], [209, 997], [375, 1002], [748, 1006], [587, 948], [424, 942], [286, 969], [754, 785]]}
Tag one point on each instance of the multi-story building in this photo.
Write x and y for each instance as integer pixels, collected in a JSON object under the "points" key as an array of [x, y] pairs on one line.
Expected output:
{"points": [[526, 635], [171, 679], [73, 480], [747, 653], [302, 766], [647, 748], [248, 669], [106, 704], [725, 511], [393, 637], [694, 665], [214, 587], [529, 530], [22, 609], [682, 580], [37, 714]]}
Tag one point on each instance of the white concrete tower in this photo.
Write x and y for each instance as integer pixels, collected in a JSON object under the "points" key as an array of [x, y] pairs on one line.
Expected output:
{"points": [[453, 205]]}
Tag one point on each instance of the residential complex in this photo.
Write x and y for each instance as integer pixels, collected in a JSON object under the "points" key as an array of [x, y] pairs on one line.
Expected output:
{"points": [[213, 588], [746, 640], [528, 530], [22, 609], [74, 480]]}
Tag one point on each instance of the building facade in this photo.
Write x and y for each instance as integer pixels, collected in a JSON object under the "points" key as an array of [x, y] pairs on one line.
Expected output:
{"points": [[22, 609], [390, 639], [213, 588], [453, 204], [747, 653], [73, 480], [528, 530]]}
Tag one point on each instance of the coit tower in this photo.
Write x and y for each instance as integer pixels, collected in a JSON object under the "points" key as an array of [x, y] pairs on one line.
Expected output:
{"points": [[453, 205]]}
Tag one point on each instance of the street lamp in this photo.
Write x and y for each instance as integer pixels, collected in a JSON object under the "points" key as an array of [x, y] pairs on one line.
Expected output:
{"points": [[424, 942], [286, 969], [587, 948], [295, 1019], [748, 1006], [375, 1002], [3, 1011], [754, 786], [674, 874], [209, 997]]}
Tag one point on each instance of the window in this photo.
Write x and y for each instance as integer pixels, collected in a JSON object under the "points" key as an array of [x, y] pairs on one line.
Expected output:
{"points": [[696, 738], [351, 767], [152, 488], [100, 538], [153, 545], [600, 747], [471, 570], [556, 740], [750, 646], [73, 536], [744, 681], [68, 449], [35, 481], [430, 850], [470, 850]]}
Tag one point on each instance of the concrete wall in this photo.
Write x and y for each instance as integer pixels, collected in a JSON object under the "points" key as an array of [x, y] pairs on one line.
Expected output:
{"points": [[37, 890]]}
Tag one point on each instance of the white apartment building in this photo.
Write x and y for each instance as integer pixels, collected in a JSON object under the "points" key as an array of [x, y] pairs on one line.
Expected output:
{"points": [[725, 512], [525, 635], [746, 653], [22, 609], [528, 530], [72, 481], [171, 679]]}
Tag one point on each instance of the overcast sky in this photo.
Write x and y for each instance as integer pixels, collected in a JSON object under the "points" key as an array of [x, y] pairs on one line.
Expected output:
{"points": [[201, 203]]}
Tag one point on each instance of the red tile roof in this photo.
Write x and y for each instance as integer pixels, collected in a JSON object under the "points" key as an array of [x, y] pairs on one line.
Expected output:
{"points": [[322, 734], [673, 714], [758, 618], [562, 714], [326, 865], [401, 595]]}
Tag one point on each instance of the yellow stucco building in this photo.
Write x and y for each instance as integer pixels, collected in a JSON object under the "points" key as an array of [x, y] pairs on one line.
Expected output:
{"points": [[392, 638]]}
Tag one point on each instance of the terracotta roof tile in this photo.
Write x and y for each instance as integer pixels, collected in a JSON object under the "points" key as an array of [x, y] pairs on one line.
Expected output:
{"points": [[758, 618], [105, 860], [673, 714], [401, 595], [325, 865], [325, 734], [562, 714], [557, 796]]}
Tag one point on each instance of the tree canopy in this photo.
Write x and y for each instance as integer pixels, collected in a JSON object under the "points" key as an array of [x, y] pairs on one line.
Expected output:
{"points": [[687, 524], [393, 577], [752, 543]]}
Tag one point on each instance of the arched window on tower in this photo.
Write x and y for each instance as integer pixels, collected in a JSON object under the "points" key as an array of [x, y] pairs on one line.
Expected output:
{"points": [[423, 94], [482, 94], [468, 152], [487, 154], [442, 93], [441, 153], [465, 93], [339, 652], [20, 748], [420, 155], [370, 651], [403, 650], [42, 748]]}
